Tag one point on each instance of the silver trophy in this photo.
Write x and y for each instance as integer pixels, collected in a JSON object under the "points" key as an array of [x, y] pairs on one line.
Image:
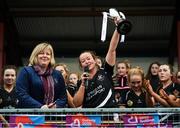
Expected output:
{"points": [[123, 25]]}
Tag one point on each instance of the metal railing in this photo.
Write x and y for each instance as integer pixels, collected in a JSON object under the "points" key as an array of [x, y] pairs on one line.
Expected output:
{"points": [[93, 117]]}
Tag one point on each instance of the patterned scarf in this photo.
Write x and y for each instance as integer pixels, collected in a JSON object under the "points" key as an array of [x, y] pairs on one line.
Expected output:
{"points": [[48, 83]]}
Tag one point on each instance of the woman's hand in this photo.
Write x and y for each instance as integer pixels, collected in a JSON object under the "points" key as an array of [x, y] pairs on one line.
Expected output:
{"points": [[147, 86], [52, 105], [84, 77], [44, 107], [163, 94]]}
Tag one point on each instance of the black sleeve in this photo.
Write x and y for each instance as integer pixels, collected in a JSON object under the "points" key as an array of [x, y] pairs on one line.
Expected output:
{"points": [[109, 69]]}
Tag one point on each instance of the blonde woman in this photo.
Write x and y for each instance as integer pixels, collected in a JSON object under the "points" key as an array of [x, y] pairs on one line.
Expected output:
{"points": [[137, 97], [39, 85]]}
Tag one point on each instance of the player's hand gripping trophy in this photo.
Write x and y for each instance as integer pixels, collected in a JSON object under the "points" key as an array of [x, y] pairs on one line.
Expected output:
{"points": [[123, 26]]}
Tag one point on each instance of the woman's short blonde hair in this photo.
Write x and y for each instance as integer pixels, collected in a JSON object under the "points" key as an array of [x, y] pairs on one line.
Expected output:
{"points": [[39, 48], [136, 71]]}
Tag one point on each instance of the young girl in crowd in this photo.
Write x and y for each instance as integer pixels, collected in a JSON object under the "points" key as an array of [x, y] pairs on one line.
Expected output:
{"points": [[72, 83], [63, 68], [120, 81], [99, 61]]}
